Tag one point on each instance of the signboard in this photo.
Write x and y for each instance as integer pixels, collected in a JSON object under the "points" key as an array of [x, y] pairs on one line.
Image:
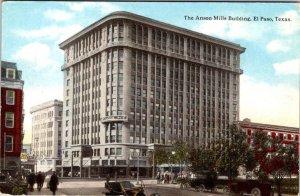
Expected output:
{"points": [[122, 118], [24, 157]]}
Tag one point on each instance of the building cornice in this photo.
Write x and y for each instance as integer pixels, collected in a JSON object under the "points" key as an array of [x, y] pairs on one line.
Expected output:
{"points": [[46, 105], [13, 84], [268, 126], [151, 22]]}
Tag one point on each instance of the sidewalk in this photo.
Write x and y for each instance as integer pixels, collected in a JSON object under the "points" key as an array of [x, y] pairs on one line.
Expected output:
{"points": [[44, 191]]}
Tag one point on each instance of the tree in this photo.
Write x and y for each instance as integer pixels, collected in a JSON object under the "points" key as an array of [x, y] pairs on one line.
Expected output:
{"points": [[275, 157], [202, 160], [181, 153], [234, 152], [160, 156]]}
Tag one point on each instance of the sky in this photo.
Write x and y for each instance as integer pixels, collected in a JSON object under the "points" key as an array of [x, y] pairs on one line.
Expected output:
{"points": [[269, 90]]}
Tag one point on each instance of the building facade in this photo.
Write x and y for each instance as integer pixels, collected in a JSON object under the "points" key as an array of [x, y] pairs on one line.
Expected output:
{"points": [[11, 133], [286, 134], [46, 135], [131, 83]]}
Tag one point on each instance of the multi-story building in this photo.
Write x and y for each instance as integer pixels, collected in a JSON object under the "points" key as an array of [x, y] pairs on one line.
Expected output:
{"points": [[131, 83], [46, 134], [11, 133]]}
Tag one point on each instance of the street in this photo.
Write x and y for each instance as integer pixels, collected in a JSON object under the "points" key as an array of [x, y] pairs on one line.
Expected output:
{"points": [[96, 187]]}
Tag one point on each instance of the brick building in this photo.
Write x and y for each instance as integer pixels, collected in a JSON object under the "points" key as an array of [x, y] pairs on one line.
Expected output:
{"points": [[11, 116]]}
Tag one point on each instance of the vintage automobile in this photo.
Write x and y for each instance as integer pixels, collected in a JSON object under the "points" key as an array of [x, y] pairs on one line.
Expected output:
{"points": [[124, 188], [205, 181], [253, 187]]}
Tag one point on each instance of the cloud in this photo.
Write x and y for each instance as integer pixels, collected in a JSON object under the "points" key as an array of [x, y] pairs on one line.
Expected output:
{"points": [[103, 7], [289, 27], [277, 46], [287, 67], [36, 55], [58, 15], [263, 102], [231, 29], [57, 33], [42, 94]]}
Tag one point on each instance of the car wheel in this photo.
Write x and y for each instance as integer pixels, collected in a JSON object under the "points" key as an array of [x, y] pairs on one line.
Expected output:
{"points": [[255, 192], [226, 190], [201, 187]]}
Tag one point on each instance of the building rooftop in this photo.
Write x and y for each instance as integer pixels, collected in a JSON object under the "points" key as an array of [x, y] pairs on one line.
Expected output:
{"points": [[10, 65], [247, 122], [45, 105], [159, 24]]}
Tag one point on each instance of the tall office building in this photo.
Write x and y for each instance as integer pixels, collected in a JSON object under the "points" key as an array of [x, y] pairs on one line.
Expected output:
{"points": [[11, 132], [46, 135], [131, 83]]}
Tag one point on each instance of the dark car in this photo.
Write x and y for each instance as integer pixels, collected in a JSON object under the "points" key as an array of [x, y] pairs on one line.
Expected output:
{"points": [[205, 181], [253, 187], [123, 188]]}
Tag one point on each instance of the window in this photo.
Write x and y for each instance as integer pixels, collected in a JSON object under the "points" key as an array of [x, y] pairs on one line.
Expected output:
{"points": [[66, 144], [8, 143], [10, 73], [119, 151], [10, 97], [9, 119], [112, 151], [106, 151]]}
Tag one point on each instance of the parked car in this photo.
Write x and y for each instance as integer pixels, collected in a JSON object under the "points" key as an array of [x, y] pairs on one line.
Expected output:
{"points": [[124, 188], [253, 187], [206, 181]]}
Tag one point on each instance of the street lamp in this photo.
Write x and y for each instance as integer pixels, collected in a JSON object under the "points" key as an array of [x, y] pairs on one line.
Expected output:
{"points": [[173, 152], [138, 167], [36, 152]]}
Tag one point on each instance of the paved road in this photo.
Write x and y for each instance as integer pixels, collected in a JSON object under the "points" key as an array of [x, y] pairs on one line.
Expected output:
{"points": [[96, 187]]}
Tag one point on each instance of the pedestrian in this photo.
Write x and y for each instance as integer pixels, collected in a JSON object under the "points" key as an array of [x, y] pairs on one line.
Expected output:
{"points": [[39, 181], [31, 181], [107, 178], [53, 183], [158, 177]]}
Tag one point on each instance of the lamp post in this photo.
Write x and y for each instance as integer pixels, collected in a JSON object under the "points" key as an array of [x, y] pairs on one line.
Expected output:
{"points": [[108, 163], [99, 168], [115, 168], [173, 152], [36, 152], [138, 168]]}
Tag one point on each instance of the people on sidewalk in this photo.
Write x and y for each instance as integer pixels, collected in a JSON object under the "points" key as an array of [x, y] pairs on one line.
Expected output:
{"points": [[53, 183], [31, 181], [39, 181]]}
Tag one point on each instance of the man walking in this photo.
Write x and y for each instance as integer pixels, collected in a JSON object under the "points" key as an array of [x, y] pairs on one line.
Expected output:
{"points": [[53, 183], [39, 181]]}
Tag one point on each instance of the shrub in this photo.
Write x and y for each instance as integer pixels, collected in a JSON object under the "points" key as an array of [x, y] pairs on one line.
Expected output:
{"points": [[18, 191]]}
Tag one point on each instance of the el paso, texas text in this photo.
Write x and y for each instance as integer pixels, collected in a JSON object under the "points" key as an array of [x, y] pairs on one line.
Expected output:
{"points": [[237, 18]]}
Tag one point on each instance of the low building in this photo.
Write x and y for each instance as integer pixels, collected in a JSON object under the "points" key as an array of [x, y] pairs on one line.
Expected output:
{"points": [[288, 135]]}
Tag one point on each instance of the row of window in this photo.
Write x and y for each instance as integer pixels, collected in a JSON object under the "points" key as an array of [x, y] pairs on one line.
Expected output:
{"points": [[195, 48]]}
